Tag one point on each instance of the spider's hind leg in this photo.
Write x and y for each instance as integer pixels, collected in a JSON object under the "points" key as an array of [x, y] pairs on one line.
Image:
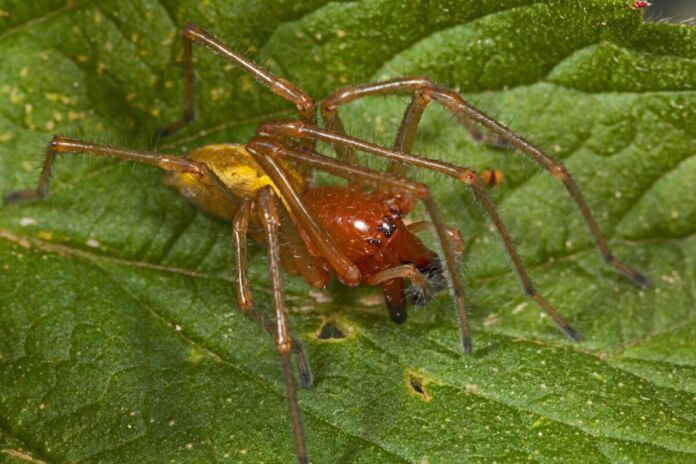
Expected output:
{"points": [[194, 34], [65, 145]]}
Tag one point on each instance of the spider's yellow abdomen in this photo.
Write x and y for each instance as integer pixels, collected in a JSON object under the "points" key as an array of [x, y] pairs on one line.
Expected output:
{"points": [[237, 169]]}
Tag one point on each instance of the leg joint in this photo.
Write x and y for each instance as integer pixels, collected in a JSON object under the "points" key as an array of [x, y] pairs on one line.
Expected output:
{"points": [[468, 176], [558, 170], [306, 106], [284, 346], [422, 191], [191, 30], [246, 304], [329, 105], [60, 144]]}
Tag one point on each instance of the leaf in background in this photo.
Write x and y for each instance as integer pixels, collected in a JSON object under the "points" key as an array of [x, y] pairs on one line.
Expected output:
{"points": [[119, 339]]}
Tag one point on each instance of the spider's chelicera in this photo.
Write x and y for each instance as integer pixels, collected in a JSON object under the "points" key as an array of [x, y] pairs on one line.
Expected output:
{"points": [[355, 233]]}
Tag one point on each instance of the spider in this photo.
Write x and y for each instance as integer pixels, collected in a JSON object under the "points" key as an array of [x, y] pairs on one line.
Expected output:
{"points": [[355, 233]]}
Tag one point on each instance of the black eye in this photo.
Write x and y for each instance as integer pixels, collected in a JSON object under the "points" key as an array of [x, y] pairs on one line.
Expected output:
{"points": [[387, 227], [374, 241]]}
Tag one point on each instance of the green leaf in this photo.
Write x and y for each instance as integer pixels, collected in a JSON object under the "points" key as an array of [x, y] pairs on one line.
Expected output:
{"points": [[119, 336]]}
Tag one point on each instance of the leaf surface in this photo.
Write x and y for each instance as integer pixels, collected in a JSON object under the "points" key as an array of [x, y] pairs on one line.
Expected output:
{"points": [[119, 336]]}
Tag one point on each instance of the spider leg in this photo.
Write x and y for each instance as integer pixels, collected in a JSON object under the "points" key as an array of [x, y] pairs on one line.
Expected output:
{"points": [[310, 267], [345, 269], [192, 33], [455, 236], [65, 145], [465, 175], [412, 115], [240, 227], [425, 91], [455, 103], [270, 148], [271, 221]]}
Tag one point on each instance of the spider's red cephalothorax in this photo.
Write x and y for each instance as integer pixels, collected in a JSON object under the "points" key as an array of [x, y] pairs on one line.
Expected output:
{"points": [[355, 233], [369, 229]]}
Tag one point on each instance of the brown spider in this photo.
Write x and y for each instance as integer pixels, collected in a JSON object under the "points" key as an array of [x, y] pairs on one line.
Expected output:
{"points": [[349, 232]]}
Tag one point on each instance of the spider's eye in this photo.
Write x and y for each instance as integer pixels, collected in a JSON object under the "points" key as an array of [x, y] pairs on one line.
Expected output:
{"points": [[387, 227]]}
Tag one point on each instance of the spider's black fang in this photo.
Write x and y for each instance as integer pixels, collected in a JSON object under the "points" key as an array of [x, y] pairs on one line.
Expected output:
{"points": [[397, 311]]}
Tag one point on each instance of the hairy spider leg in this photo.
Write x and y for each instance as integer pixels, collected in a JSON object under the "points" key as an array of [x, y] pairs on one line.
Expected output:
{"points": [[271, 222], [347, 272], [454, 235], [192, 33], [300, 129], [65, 145], [266, 150], [413, 113], [425, 91], [310, 267], [240, 229]]}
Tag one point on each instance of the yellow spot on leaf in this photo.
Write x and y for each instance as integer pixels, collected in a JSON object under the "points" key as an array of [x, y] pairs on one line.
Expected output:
{"points": [[195, 356], [216, 93], [45, 235]]}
